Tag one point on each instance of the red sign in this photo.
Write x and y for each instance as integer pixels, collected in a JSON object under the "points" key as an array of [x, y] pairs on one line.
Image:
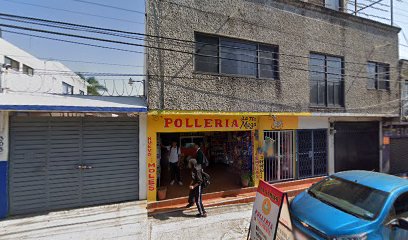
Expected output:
{"points": [[265, 214]]}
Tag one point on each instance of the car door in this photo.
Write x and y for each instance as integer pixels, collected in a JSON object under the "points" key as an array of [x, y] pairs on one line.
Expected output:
{"points": [[396, 228]]}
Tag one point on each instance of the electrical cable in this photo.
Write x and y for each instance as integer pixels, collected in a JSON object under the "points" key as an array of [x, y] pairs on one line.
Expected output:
{"points": [[70, 11], [108, 6]]}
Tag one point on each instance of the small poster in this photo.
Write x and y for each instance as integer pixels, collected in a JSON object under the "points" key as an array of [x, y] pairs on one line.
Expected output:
{"points": [[265, 213]]}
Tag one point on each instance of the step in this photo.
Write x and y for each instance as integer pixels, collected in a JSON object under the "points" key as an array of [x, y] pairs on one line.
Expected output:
{"points": [[236, 196]]}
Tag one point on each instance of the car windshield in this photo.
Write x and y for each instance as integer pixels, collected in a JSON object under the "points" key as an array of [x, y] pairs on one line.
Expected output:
{"points": [[353, 198]]}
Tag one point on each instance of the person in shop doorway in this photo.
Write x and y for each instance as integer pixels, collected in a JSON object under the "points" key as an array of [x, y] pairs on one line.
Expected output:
{"points": [[200, 155], [200, 162], [174, 155], [196, 186]]}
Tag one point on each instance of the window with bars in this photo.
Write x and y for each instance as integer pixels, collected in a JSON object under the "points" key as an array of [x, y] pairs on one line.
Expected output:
{"points": [[220, 55], [378, 76], [326, 80], [13, 63]]}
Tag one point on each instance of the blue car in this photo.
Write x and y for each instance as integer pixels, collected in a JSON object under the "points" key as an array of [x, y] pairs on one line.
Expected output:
{"points": [[353, 205]]}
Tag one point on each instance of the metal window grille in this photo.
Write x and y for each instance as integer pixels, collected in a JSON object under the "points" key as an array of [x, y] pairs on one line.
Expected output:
{"points": [[279, 150], [312, 153]]}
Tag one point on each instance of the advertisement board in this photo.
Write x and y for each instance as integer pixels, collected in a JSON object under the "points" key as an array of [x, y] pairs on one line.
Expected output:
{"points": [[270, 215]]}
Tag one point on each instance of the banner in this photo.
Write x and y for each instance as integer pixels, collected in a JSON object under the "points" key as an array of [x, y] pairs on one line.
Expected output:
{"points": [[270, 215]]}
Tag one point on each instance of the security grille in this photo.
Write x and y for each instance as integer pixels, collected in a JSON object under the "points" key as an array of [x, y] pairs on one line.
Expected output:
{"points": [[312, 153], [59, 163], [279, 155]]}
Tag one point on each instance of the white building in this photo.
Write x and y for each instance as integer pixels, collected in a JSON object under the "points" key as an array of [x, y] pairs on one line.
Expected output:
{"points": [[26, 73]]}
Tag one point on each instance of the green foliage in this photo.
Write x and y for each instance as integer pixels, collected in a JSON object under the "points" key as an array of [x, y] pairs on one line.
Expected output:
{"points": [[94, 86]]}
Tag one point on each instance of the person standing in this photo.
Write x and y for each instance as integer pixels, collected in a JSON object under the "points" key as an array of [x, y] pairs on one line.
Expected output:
{"points": [[200, 161], [200, 155], [174, 155], [196, 186]]}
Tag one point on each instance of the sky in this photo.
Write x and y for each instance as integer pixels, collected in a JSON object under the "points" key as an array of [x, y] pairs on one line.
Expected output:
{"points": [[128, 20], [43, 48]]}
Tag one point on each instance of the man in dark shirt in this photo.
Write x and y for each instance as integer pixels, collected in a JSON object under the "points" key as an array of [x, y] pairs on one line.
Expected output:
{"points": [[196, 186], [200, 154]]}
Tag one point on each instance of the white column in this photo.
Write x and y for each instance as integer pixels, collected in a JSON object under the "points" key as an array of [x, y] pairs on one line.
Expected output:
{"points": [[4, 136], [330, 154], [142, 156]]}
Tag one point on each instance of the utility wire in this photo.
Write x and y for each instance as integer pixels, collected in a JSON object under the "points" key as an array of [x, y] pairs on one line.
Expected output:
{"points": [[70, 11], [141, 34], [73, 42], [108, 6]]}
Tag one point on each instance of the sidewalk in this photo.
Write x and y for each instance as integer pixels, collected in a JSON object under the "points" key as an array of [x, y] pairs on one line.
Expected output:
{"points": [[116, 221], [130, 221]]}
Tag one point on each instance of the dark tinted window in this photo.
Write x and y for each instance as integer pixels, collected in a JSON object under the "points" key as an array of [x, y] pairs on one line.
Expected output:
{"points": [[238, 57], [235, 57], [28, 70], [206, 59], [268, 62], [372, 82], [13, 63], [378, 76], [326, 80], [353, 198]]}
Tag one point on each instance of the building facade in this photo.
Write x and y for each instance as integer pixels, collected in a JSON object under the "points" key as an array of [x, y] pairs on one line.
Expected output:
{"points": [[313, 83]]}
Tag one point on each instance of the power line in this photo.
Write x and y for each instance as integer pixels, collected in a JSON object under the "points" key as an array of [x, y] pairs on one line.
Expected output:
{"points": [[71, 28], [108, 6], [140, 34], [75, 61], [73, 42], [142, 52], [70, 11]]}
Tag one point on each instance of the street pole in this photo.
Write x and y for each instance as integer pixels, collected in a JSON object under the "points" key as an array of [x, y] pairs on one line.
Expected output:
{"points": [[392, 12]]}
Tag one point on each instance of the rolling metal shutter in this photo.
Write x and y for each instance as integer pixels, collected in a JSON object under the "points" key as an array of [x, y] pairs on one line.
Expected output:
{"points": [[398, 155], [60, 163], [356, 146]]}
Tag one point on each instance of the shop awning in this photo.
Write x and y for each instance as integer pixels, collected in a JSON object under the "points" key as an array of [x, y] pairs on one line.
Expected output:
{"points": [[70, 103]]}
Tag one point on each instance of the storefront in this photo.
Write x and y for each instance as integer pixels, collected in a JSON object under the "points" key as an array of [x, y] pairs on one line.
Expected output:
{"points": [[258, 146]]}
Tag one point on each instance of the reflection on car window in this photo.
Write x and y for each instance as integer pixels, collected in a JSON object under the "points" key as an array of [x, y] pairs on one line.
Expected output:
{"points": [[401, 206], [353, 198]]}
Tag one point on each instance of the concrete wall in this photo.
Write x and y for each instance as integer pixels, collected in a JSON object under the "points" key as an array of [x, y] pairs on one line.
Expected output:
{"points": [[298, 28], [3, 163], [48, 75]]}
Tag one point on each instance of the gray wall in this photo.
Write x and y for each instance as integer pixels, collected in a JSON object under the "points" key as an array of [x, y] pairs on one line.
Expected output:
{"points": [[296, 27]]}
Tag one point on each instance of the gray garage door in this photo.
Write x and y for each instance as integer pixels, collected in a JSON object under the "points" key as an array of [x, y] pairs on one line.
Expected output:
{"points": [[59, 163]]}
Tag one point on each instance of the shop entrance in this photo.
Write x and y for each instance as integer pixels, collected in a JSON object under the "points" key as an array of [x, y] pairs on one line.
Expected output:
{"points": [[229, 155], [279, 155]]}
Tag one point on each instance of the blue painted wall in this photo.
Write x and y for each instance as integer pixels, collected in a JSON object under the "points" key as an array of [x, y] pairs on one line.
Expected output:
{"points": [[3, 189]]}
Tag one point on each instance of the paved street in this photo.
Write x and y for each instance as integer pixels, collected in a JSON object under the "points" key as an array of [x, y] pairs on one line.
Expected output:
{"points": [[130, 221]]}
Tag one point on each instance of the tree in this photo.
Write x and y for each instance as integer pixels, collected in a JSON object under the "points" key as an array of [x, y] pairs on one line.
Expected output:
{"points": [[94, 86]]}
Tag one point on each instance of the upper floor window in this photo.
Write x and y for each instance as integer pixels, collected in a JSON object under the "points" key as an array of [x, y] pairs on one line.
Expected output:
{"points": [[326, 80], [13, 63], [28, 70], [378, 76], [333, 4], [67, 89], [215, 54]]}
